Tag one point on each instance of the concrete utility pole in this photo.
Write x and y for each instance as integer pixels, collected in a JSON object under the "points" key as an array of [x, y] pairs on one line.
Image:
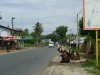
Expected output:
{"points": [[77, 33], [12, 25], [70, 37]]}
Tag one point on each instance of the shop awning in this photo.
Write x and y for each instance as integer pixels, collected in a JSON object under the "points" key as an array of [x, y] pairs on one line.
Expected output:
{"points": [[8, 38]]}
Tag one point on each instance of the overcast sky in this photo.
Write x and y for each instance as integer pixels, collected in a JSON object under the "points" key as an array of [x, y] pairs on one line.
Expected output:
{"points": [[51, 13]]}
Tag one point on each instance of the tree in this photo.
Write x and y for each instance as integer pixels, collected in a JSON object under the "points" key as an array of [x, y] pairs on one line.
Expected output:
{"points": [[71, 36], [25, 32], [53, 36], [38, 29], [34, 37], [61, 31]]}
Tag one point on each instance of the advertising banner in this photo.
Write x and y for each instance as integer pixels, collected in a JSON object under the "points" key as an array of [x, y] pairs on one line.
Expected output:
{"points": [[17, 37], [91, 14], [8, 38]]}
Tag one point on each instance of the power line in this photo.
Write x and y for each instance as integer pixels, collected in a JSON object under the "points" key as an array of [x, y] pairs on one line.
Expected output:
{"points": [[80, 11], [51, 16], [76, 19], [74, 22]]}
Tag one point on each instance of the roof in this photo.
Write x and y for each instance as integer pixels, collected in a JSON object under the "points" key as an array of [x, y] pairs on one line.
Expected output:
{"points": [[15, 29]]}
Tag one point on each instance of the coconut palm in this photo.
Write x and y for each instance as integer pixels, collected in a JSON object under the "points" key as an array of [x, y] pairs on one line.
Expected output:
{"points": [[38, 29]]}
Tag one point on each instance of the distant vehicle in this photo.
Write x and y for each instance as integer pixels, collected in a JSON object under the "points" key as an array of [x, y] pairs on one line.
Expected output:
{"points": [[51, 44]]}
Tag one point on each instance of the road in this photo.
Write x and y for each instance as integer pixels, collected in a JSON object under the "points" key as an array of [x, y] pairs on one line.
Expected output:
{"points": [[29, 62]]}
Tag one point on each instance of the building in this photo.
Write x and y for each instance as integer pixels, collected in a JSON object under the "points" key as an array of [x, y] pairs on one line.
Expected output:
{"points": [[10, 38]]}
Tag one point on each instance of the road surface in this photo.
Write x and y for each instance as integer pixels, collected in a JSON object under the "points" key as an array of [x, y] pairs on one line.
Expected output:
{"points": [[31, 62]]}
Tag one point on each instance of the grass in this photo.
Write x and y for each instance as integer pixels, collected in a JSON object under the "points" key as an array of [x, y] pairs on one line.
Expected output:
{"points": [[76, 50], [91, 66]]}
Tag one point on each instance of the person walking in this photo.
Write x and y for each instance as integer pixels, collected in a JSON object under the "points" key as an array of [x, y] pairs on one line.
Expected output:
{"points": [[58, 46]]}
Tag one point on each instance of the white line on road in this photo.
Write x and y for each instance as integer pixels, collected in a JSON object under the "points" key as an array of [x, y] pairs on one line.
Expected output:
{"points": [[51, 70], [53, 66]]}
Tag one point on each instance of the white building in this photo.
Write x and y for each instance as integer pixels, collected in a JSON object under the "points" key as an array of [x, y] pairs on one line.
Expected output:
{"points": [[10, 35]]}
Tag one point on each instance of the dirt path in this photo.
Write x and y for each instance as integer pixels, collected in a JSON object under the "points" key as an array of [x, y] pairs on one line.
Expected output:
{"points": [[26, 48]]}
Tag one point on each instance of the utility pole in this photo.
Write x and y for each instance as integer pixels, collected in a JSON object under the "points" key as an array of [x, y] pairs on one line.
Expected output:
{"points": [[12, 25], [77, 33], [70, 37]]}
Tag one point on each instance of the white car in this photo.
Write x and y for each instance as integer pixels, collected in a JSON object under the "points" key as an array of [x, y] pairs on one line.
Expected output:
{"points": [[51, 44]]}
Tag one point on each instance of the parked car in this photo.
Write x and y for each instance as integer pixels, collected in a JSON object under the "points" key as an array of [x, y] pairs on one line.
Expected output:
{"points": [[51, 44]]}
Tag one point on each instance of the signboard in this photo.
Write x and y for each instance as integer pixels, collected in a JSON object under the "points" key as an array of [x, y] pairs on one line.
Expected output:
{"points": [[28, 37], [17, 37], [8, 38], [46, 40], [91, 14]]}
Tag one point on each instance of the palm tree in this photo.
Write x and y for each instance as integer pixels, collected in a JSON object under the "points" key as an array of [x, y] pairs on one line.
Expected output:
{"points": [[38, 30]]}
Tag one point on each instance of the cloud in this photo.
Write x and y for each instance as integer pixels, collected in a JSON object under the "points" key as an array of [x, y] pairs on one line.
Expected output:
{"points": [[51, 13]]}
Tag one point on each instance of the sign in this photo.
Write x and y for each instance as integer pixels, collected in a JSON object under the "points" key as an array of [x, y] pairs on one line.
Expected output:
{"points": [[8, 38], [28, 37], [46, 40], [17, 37], [91, 14]]}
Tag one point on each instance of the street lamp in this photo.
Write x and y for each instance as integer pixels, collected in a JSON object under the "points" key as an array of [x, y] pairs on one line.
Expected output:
{"points": [[12, 25]]}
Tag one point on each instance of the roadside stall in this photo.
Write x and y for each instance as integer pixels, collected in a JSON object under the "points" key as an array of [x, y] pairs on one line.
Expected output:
{"points": [[1, 42], [8, 42]]}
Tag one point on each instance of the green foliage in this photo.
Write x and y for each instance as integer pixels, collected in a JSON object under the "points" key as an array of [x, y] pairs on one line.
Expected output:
{"points": [[38, 29], [61, 31], [88, 38], [53, 36], [71, 36], [91, 66], [25, 32], [34, 37]]}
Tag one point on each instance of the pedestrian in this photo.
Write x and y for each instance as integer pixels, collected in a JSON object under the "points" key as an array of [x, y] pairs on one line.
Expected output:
{"points": [[58, 46]]}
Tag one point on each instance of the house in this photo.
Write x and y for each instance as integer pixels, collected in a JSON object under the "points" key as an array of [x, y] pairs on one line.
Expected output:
{"points": [[77, 41], [10, 38]]}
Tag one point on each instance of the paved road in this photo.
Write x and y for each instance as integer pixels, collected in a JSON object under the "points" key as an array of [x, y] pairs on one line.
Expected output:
{"points": [[31, 62]]}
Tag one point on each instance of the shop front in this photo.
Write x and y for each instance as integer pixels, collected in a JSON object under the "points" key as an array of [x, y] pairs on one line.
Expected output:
{"points": [[8, 42], [1, 42]]}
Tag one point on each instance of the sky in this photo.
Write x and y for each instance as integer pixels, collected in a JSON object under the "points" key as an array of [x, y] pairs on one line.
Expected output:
{"points": [[50, 13]]}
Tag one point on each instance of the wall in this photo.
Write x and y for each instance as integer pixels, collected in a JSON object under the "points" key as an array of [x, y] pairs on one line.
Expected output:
{"points": [[88, 47], [4, 32], [82, 47]]}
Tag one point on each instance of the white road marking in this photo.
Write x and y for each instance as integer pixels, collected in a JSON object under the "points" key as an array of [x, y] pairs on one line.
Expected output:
{"points": [[53, 66], [51, 70]]}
